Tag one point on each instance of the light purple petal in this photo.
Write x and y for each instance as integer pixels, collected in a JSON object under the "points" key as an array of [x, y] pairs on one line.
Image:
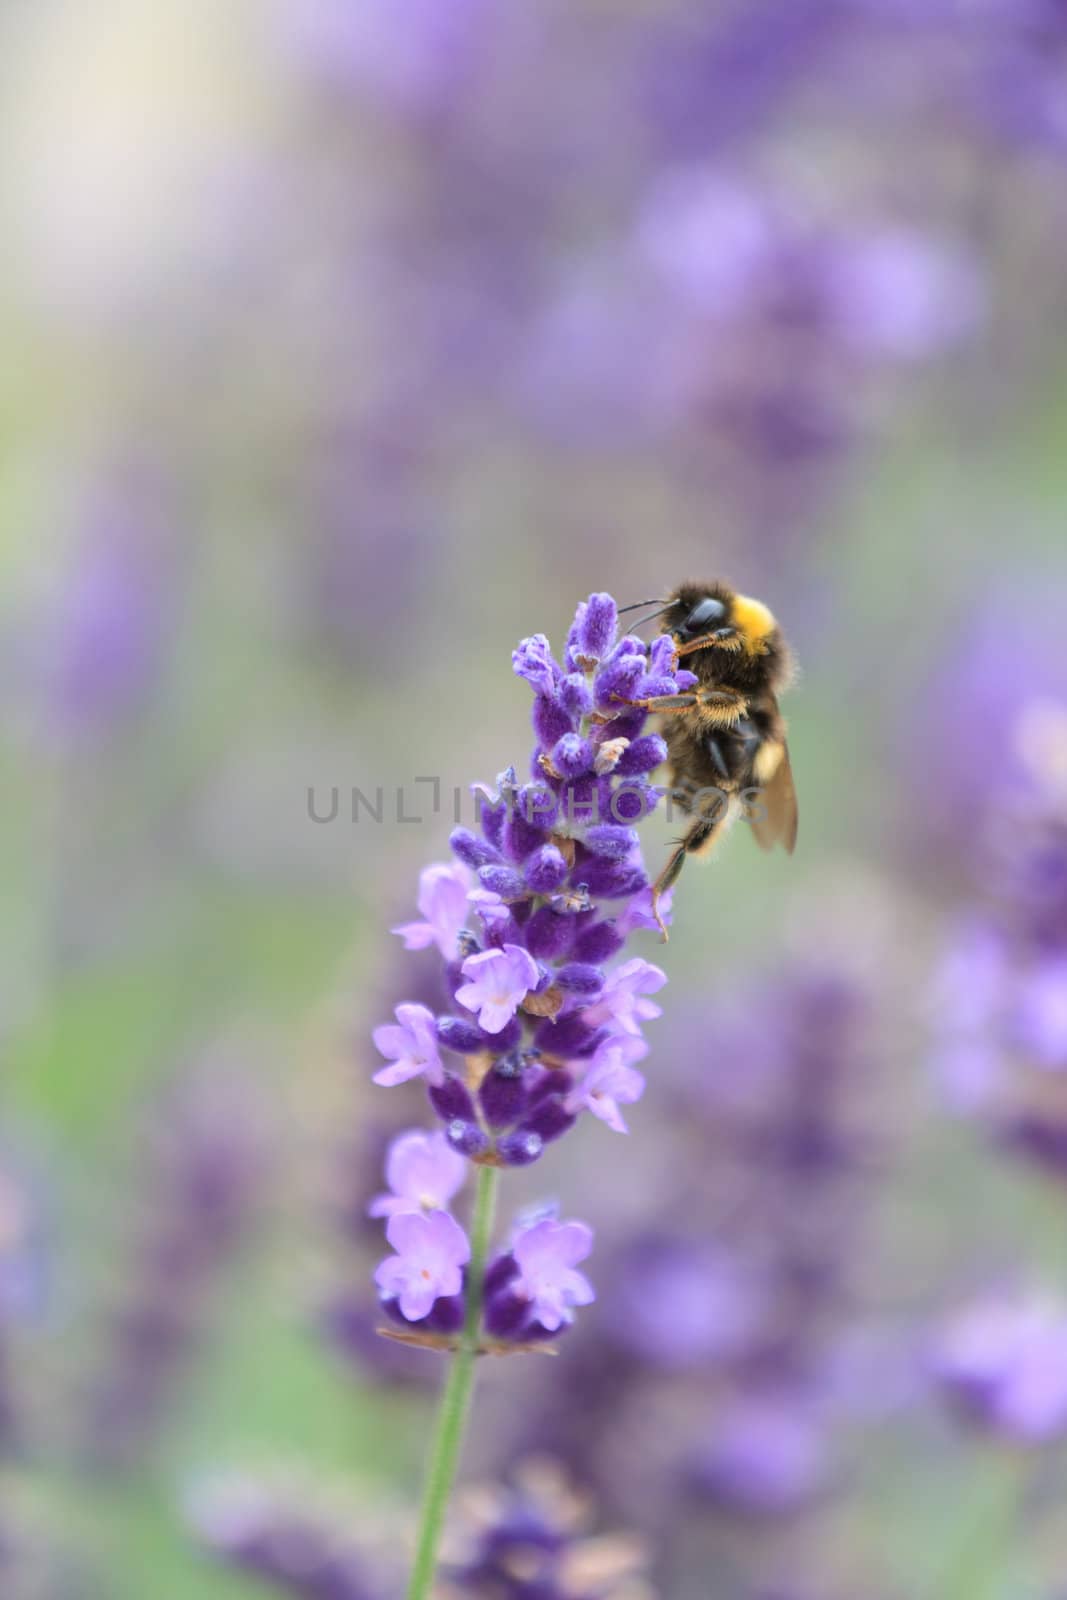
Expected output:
{"points": [[391, 1040], [399, 1072], [416, 935]]}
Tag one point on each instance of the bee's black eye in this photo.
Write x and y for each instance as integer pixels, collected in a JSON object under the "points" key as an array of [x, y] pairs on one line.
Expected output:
{"points": [[703, 615]]}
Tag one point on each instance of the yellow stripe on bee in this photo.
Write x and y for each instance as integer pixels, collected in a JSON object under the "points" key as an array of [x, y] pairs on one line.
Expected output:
{"points": [[768, 760], [754, 620]]}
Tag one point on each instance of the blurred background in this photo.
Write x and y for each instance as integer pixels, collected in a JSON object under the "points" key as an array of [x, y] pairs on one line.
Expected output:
{"points": [[345, 342]]}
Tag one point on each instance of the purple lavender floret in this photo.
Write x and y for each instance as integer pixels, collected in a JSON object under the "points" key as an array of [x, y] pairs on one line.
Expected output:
{"points": [[532, 1290]]}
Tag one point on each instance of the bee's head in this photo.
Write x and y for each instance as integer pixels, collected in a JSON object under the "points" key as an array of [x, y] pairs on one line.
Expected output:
{"points": [[705, 608]]}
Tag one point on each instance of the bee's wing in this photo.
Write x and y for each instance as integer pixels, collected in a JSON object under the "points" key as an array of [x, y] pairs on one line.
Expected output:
{"points": [[776, 817]]}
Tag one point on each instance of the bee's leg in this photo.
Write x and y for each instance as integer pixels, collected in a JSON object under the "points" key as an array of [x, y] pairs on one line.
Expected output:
{"points": [[664, 703], [722, 707], [700, 836], [720, 639]]}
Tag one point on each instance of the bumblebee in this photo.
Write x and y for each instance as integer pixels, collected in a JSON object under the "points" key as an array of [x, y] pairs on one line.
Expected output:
{"points": [[725, 737]]}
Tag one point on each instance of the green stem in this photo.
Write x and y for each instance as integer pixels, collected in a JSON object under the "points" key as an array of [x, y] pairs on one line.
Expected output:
{"points": [[455, 1402]]}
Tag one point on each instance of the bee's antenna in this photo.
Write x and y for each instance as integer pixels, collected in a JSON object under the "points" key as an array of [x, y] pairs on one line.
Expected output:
{"points": [[637, 605], [640, 623]]}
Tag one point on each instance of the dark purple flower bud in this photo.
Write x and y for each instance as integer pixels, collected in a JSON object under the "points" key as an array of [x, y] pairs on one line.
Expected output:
{"points": [[598, 943], [467, 1138], [615, 880], [451, 1100], [521, 1148], [596, 630], [575, 695], [502, 1096], [447, 1315], [460, 1035], [610, 841], [507, 1039], [500, 1272], [642, 755], [628, 723], [505, 1314], [471, 850], [572, 756], [583, 801], [651, 685], [550, 720], [568, 1036], [632, 801], [618, 681], [521, 838], [579, 978], [536, 802], [552, 1081], [492, 818], [549, 1119], [504, 881], [546, 870], [548, 934]]}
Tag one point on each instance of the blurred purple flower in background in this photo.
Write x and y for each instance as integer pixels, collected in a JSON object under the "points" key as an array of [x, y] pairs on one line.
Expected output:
{"points": [[1002, 1362], [447, 305], [18, 1270], [298, 1542], [968, 695], [413, 57], [203, 1173], [724, 1314], [102, 650], [528, 1539], [999, 1006], [524, 1538]]}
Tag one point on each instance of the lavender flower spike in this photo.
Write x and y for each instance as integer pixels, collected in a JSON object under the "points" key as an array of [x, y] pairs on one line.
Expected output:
{"points": [[545, 1021]]}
